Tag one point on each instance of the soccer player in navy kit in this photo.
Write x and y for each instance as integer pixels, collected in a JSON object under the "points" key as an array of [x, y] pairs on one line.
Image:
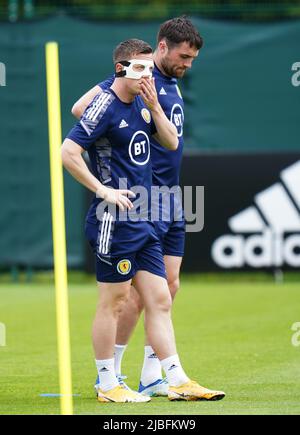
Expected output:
{"points": [[178, 45], [126, 249]]}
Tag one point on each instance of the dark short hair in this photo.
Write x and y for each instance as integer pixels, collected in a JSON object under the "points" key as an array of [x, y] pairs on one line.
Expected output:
{"points": [[178, 30], [131, 47]]}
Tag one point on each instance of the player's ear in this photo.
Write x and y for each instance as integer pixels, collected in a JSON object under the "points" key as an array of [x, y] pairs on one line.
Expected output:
{"points": [[163, 46], [118, 67]]}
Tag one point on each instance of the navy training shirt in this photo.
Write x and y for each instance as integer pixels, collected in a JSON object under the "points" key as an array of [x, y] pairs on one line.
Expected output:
{"points": [[117, 138]]}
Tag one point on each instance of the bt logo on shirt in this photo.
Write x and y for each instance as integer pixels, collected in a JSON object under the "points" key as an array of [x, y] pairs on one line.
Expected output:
{"points": [[177, 118], [139, 148]]}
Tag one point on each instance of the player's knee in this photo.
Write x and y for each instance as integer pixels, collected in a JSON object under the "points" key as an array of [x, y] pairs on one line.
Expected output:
{"points": [[164, 302], [174, 285], [114, 304], [120, 302], [136, 301]]}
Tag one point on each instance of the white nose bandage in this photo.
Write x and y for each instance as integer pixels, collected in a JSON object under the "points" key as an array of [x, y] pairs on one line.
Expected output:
{"points": [[136, 68]]}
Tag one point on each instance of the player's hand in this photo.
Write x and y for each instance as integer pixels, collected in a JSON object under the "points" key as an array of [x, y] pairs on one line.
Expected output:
{"points": [[148, 93], [120, 197]]}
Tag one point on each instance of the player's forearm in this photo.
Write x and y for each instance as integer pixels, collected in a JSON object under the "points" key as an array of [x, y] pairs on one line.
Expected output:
{"points": [[77, 167], [166, 131]]}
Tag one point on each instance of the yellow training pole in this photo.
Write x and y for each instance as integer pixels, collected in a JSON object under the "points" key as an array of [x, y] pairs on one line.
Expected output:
{"points": [[58, 228]]}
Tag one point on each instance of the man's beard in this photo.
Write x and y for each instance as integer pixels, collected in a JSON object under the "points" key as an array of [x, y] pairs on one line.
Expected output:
{"points": [[171, 71]]}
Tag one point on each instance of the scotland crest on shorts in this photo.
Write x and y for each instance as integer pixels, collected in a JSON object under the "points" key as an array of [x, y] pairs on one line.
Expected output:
{"points": [[124, 267]]}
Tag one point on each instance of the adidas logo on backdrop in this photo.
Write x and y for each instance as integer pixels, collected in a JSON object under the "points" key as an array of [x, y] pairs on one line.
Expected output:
{"points": [[275, 218]]}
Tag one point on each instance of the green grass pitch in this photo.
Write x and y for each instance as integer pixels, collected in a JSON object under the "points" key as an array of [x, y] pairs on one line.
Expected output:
{"points": [[231, 336]]}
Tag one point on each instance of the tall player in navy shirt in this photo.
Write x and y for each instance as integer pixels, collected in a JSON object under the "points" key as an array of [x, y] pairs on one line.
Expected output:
{"points": [[178, 44], [115, 130]]}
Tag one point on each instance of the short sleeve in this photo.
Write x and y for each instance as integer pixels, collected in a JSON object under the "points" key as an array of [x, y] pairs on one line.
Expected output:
{"points": [[94, 122], [106, 84]]}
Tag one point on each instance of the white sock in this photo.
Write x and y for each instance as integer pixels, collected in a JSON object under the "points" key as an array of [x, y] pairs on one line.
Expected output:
{"points": [[151, 370], [119, 352], [107, 374], [174, 372]]}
